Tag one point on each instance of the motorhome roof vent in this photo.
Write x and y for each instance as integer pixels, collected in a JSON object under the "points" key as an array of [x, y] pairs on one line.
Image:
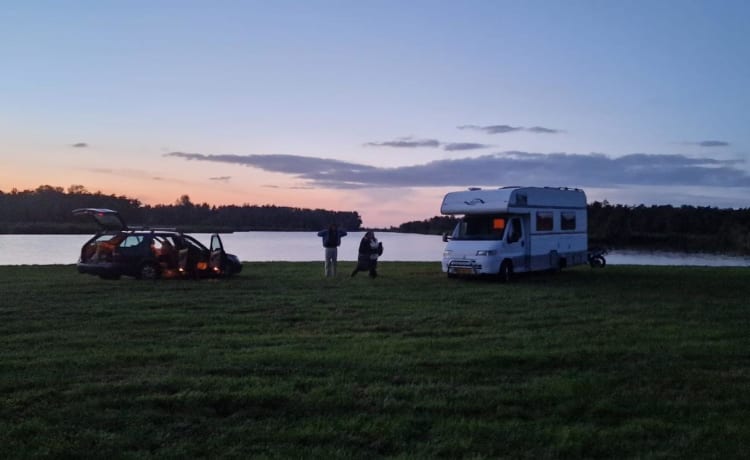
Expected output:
{"points": [[473, 189], [564, 188]]}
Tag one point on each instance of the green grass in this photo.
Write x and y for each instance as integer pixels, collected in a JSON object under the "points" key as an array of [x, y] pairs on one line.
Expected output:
{"points": [[636, 362]]}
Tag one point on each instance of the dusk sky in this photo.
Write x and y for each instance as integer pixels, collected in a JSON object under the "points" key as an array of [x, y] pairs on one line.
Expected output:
{"points": [[379, 107]]}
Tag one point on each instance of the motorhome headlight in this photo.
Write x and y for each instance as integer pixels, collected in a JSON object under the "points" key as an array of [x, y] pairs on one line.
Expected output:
{"points": [[447, 253], [483, 252]]}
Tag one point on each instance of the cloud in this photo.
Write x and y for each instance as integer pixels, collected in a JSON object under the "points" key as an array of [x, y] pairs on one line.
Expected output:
{"points": [[502, 129], [132, 173], [80, 145], [291, 164], [414, 143], [712, 144], [452, 147], [406, 142], [220, 178], [304, 167], [555, 169], [293, 187], [137, 174], [542, 130], [494, 129]]}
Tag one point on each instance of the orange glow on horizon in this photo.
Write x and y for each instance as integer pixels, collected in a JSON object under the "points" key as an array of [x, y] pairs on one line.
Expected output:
{"points": [[376, 207]]}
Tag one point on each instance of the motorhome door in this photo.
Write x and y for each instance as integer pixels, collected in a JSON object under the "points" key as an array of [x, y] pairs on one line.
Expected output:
{"points": [[515, 244]]}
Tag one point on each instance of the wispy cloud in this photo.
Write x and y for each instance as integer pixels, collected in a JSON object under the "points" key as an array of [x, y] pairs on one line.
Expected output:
{"points": [[299, 166], [711, 144], [132, 173], [591, 170], [292, 187], [502, 129], [138, 174], [80, 145], [405, 142], [456, 146], [492, 129], [543, 130], [220, 178]]}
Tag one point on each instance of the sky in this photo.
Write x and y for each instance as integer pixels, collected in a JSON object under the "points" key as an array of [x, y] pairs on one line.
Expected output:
{"points": [[378, 107]]}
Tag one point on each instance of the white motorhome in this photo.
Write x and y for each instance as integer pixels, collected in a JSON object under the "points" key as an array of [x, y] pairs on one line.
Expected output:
{"points": [[515, 229]]}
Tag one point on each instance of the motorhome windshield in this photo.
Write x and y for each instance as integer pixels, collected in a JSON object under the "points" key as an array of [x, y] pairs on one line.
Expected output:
{"points": [[481, 227]]}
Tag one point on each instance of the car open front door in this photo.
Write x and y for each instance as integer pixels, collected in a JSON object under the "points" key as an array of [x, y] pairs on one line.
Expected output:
{"points": [[192, 256], [216, 260]]}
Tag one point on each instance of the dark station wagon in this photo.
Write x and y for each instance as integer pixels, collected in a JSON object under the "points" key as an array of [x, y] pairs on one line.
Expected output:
{"points": [[150, 253]]}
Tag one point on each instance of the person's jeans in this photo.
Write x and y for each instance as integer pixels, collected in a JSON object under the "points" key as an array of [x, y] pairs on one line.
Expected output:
{"points": [[331, 254]]}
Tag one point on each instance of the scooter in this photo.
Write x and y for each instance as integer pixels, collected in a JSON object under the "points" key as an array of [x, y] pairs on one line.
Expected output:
{"points": [[596, 257]]}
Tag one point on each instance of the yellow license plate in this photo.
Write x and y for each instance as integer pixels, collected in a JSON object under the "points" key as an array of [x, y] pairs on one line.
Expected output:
{"points": [[463, 271]]}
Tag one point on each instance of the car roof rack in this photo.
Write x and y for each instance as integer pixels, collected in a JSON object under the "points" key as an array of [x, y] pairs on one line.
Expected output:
{"points": [[154, 229]]}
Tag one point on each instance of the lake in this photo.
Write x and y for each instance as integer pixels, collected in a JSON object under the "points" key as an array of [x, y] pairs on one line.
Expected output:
{"points": [[306, 246]]}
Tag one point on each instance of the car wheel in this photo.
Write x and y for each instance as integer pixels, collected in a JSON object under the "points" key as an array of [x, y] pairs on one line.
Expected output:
{"points": [[148, 271], [506, 271]]}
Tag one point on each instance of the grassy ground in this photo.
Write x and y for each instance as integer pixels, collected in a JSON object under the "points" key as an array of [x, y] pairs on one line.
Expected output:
{"points": [[644, 362]]}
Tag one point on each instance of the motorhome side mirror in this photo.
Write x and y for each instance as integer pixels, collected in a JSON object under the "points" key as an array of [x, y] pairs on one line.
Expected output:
{"points": [[445, 237]]}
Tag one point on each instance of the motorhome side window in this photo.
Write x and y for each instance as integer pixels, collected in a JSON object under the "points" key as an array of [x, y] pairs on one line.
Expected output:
{"points": [[567, 220], [544, 221]]}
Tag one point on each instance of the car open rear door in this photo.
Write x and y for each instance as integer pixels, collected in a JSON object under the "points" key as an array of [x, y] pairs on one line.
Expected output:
{"points": [[106, 218], [218, 256]]}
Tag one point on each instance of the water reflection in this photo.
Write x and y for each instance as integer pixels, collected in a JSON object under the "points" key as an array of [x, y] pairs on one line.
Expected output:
{"points": [[632, 257], [306, 246]]}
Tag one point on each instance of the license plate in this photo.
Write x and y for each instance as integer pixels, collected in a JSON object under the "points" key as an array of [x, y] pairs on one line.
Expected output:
{"points": [[463, 271]]}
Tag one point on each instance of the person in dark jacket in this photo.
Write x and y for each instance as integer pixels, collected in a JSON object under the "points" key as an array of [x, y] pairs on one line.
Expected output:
{"points": [[367, 258], [331, 241]]}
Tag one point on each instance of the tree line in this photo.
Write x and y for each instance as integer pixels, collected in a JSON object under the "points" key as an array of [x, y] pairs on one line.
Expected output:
{"points": [[681, 228], [664, 227], [48, 209]]}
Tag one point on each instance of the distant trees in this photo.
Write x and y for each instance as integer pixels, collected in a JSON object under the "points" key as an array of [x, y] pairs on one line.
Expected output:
{"points": [[433, 226], [47, 209], [683, 228]]}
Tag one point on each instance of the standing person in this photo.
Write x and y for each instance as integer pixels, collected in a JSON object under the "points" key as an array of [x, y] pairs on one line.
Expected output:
{"points": [[367, 258], [331, 241]]}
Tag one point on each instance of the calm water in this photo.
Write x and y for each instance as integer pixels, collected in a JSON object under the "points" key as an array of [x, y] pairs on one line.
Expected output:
{"points": [[306, 246]]}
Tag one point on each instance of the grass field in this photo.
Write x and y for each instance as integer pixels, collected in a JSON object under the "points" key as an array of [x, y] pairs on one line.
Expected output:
{"points": [[636, 362]]}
